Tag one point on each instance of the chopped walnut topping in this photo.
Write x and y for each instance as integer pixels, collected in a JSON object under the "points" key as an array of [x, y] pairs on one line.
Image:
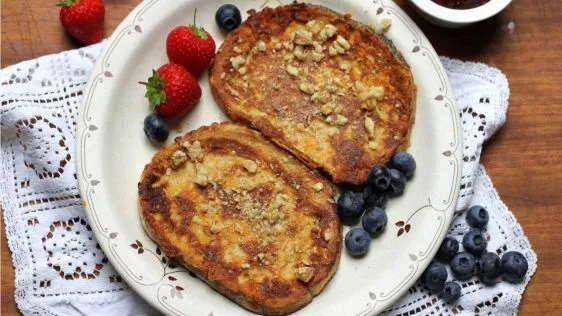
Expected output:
{"points": [[178, 159], [306, 262], [278, 187], [318, 186], [369, 126], [288, 45], [250, 166], [373, 145], [216, 229], [322, 97], [343, 42], [299, 53], [385, 24], [305, 274], [237, 49], [341, 120], [242, 70], [303, 37], [327, 235], [245, 266], [396, 137], [260, 257], [168, 171], [306, 87], [317, 56], [237, 62], [314, 26], [327, 32], [338, 48], [344, 65], [317, 47], [195, 151], [332, 131], [292, 70], [201, 177], [332, 51], [261, 46]]}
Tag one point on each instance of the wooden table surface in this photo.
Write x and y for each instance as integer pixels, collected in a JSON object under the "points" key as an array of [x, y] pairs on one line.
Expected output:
{"points": [[524, 159]]}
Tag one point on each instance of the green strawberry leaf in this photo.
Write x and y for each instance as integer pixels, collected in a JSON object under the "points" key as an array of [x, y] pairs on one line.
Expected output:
{"points": [[155, 90], [66, 3], [199, 31]]}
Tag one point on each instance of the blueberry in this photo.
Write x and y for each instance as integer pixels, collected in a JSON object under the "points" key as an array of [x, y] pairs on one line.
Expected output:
{"points": [[374, 198], [228, 17], [397, 182], [435, 276], [350, 204], [514, 266], [374, 220], [451, 292], [463, 265], [449, 247], [489, 267], [404, 162], [156, 128], [474, 242], [357, 241], [477, 216], [379, 178]]}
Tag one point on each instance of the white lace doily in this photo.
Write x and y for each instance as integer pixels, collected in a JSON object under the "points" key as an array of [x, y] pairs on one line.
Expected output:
{"points": [[60, 269]]}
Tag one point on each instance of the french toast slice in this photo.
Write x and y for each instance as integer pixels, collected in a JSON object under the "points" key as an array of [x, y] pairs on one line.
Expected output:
{"points": [[319, 84], [243, 215]]}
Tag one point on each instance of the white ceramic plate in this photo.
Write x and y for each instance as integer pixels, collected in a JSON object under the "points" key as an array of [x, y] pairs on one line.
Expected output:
{"points": [[113, 150]]}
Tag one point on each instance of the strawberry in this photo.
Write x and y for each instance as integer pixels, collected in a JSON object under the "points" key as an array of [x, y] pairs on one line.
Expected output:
{"points": [[83, 19], [172, 91], [191, 47]]}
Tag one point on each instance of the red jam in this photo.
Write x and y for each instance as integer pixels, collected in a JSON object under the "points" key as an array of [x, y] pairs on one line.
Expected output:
{"points": [[461, 4]]}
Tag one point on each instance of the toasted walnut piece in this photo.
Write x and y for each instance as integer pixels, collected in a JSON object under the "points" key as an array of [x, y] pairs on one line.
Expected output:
{"points": [[261, 46], [260, 257], [250, 166], [178, 159], [332, 131], [322, 97], [168, 171], [303, 37], [201, 177], [237, 61], [343, 42], [288, 45], [194, 151], [344, 65], [341, 120], [378, 92], [245, 266], [327, 235], [327, 32], [237, 49], [385, 24], [317, 47], [299, 53], [369, 126], [305, 274], [373, 145], [216, 228], [292, 70], [314, 26], [332, 51], [195, 219], [242, 70], [318, 186], [306, 87], [317, 56]]}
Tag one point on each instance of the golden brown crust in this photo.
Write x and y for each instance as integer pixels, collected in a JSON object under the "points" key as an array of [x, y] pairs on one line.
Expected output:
{"points": [[247, 231], [269, 75]]}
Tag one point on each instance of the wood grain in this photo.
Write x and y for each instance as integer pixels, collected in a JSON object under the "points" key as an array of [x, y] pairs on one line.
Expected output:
{"points": [[524, 159]]}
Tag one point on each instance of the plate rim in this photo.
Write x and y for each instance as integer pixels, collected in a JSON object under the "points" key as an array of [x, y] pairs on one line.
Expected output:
{"points": [[86, 182]]}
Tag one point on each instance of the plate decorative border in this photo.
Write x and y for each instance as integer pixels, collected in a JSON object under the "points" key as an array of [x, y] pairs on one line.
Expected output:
{"points": [[167, 289]]}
